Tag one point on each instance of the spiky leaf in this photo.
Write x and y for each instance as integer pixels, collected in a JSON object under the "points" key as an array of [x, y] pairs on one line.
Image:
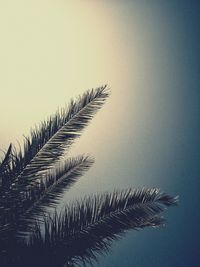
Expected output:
{"points": [[87, 228]]}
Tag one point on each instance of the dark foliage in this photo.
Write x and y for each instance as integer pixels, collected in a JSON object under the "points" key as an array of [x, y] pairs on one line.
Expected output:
{"points": [[36, 177]]}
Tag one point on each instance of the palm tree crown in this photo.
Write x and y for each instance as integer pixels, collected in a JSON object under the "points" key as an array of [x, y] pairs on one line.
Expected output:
{"points": [[37, 176]]}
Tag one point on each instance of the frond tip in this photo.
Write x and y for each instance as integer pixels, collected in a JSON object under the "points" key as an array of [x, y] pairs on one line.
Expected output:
{"points": [[87, 228], [52, 187], [61, 131]]}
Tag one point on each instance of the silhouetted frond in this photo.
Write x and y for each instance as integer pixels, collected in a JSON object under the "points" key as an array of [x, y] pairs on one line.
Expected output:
{"points": [[36, 176], [50, 189], [87, 228], [56, 135], [6, 170], [42, 151], [6, 159]]}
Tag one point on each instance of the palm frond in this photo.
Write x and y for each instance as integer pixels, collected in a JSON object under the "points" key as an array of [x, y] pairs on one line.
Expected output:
{"points": [[6, 159], [50, 189], [87, 228], [48, 143], [5, 170], [43, 150], [35, 177]]}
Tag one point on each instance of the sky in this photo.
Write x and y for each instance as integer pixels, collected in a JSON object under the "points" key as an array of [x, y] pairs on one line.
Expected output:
{"points": [[147, 134]]}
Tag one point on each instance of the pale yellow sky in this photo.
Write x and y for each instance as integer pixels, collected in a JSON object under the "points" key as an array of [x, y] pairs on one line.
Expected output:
{"points": [[52, 50]]}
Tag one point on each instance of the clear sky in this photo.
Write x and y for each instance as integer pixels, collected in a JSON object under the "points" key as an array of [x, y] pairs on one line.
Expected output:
{"points": [[147, 134]]}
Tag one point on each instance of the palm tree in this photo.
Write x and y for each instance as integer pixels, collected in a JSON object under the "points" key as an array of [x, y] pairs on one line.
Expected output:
{"points": [[36, 177]]}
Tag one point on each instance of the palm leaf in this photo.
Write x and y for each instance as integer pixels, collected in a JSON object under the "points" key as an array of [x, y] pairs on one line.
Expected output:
{"points": [[6, 159], [36, 177], [46, 147], [5, 170], [55, 136], [49, 191], [87, 228]]}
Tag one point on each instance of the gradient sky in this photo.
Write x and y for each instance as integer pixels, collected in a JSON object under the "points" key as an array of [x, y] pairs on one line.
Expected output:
{"points": [[147, 134]]}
